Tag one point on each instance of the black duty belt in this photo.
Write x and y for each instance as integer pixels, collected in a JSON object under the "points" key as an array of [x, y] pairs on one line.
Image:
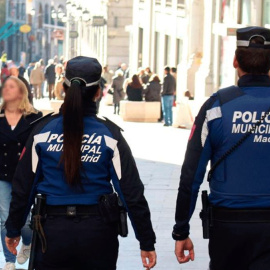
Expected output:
{"points": [[72, 210], [240, 215]]}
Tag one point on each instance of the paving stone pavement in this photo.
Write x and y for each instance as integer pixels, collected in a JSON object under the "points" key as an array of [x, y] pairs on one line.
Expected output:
{"points": [[159, 153]]}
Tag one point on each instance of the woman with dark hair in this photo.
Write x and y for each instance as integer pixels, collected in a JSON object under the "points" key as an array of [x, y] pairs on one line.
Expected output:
{"points": [[153, 89], [135, 89], [77, 161]]}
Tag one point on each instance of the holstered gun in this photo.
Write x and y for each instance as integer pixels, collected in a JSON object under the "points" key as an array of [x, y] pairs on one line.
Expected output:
{"points": [[37, 213], [112, 210], [205, 214], [123, 226]]}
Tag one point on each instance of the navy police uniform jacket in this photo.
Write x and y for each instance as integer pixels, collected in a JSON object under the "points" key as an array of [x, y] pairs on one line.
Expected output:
{"points": [[105, 157], [241, 181]]}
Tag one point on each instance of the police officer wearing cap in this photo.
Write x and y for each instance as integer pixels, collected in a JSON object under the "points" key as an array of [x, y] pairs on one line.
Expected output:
{"points": [[75, 159], [232, 131]]}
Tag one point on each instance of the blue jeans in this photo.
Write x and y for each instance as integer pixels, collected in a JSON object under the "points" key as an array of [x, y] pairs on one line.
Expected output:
{"points": [[5, 199], [167, 105]]}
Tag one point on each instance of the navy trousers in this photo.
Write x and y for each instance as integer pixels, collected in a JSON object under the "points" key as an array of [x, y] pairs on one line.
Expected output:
{"points": [[239, 246], [78, 243]]}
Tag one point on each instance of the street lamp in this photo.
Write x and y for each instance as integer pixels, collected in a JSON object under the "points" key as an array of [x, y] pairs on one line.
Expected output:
{"points": [[73, 10], [54, 14], [79, 11], [74, 13], [86, 15], [68, 4], [32, 12], [61, 14], [65, 19]]}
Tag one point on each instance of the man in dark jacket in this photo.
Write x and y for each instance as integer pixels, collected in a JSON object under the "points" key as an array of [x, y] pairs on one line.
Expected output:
{"points": [[169, 87], [50, 77]]}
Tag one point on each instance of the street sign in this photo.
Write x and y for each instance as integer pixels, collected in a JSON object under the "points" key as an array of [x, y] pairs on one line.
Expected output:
{"points": [[73, 34], [98, 21], [25, 28]]}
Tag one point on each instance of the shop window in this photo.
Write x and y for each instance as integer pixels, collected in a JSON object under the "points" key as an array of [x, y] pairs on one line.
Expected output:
{"points": [[47, 15], [23, 11], [167, 50], [156, 52], [179, 50], [52, 19], [168, 3], [246, 12], [180, 3], [266, 13], [140, 51], [18, 11]]}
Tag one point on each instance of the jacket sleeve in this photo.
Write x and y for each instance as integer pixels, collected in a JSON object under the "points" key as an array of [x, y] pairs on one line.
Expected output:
{"points": [[22, 189], [192, 174], [129, 186], [165, 86], [46, 73]]}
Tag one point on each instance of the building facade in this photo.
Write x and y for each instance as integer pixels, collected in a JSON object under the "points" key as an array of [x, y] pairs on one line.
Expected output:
{"points": [[230, 15], [106, 36], [196, 36], [158, 34], [118, 37], [41, 42]]}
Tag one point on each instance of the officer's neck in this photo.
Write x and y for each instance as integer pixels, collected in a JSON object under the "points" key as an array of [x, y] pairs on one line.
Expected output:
{"points": [[240, 72]]}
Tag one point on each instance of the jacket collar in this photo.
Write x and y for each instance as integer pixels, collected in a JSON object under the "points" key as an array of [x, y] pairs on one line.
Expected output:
{"points": [[22, 126], [254, 80], [90, 109]]}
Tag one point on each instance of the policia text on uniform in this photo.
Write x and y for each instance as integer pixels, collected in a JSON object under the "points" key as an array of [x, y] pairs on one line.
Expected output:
{"points": [[87, 182], [232, 131]]}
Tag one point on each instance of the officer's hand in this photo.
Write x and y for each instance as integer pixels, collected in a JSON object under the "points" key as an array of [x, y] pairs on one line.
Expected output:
{"points": [[149, 259], [180, 247], [12, 243]]}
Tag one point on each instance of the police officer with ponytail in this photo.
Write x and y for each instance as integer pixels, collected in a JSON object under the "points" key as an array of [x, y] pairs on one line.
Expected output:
{"points": [[87, 175]]}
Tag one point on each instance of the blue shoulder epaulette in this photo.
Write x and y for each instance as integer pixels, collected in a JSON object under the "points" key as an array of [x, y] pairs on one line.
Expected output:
{"points": [[227, 94]]}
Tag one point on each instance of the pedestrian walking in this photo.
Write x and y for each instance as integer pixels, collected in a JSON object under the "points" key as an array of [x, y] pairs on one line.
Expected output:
{"points": [[14, 71], [36, 79], [118, 93], [143, 76], [30, 68], [21, 69], [59, 80], [135, 89], [232, 131], [82, 214], [16, 118], [153, 89], [124, 68], [107, 75], [168, 92], [50, 77], [4, 72]]}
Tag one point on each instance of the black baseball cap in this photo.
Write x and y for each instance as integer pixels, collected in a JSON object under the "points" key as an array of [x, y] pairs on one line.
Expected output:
{"points": [[244, 36], [83, 69]]}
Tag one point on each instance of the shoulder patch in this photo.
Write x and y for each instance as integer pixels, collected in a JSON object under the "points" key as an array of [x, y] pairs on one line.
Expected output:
{"points": [[111, 123], [227, 94]]}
